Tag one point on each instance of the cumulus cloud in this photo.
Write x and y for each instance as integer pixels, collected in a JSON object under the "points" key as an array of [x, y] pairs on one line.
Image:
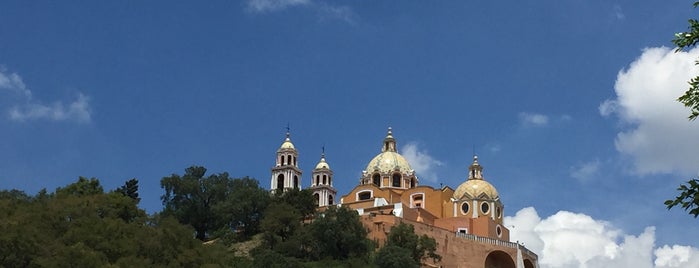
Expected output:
{"points": [[585, 171], [28, 108], [568, 239], [421, 162], [655, 133], [323, 9], [533, 119]]}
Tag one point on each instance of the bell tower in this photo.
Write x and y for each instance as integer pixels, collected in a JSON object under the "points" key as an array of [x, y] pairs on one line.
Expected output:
{"points": [[286, 173], [322, 183]]}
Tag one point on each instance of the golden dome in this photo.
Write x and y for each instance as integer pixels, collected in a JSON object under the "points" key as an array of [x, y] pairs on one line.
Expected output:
{"points": [[475, 188], [387, 162], [287, 143], [322, 163]]}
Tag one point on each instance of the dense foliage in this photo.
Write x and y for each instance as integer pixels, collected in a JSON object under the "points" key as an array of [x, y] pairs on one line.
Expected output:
{"points": [[80, 225], [406, 247]]}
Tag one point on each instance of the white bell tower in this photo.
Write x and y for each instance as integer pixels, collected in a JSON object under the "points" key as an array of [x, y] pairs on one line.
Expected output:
{"points": [[286, 173], [322, 183]]}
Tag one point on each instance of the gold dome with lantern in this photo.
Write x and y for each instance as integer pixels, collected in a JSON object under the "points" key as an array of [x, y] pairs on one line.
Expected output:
{"points": [[389, 168], [476, 186]]}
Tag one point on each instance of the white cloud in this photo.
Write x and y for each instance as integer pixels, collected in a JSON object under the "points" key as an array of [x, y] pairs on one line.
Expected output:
{"points": [[568, 239], [13, 82], [656, 134], [323, 9], [78, 110], [619, 13], [533, 119], [30, 109], [677, 256], [274, 5], [420, 161], [585, 171]]}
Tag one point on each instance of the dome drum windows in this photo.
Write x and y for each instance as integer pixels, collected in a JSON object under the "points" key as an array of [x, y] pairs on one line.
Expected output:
{"points": [[464, 208], [396, 182], [376, 179], [485, 207]]}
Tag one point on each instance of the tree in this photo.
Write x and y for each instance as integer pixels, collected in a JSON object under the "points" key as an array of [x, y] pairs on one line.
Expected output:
{"points": [[392, 256], [243, 207], [302, 200], [190, 198], [688, 198], [683, 41], [689, 194], [130, 189], [81, 226], [280, 222], [339, 234], [420, 247]]}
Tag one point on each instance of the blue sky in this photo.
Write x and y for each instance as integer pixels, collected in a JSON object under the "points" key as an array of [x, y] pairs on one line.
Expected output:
{"points": [[569, 104]]}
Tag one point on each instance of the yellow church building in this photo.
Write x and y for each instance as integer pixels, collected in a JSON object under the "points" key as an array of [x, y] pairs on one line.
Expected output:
{"points": [[467, 222]]}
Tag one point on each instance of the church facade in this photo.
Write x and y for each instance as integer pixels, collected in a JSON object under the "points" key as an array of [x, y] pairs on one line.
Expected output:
{"points": [[466, 222]]}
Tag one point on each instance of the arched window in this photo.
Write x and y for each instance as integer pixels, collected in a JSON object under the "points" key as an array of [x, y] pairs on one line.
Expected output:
{"points": [[364, 195], [325, 179], [296, 181], [412, 183], [317, 197], [280, 181], [281, 160], [288, 160], [377, 179], [330, 200], [396, 180], [330, 180], [317, 179], [294, 160]]}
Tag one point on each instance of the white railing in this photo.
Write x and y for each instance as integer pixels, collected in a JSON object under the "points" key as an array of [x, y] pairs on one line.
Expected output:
{"points": [[491, 241]]}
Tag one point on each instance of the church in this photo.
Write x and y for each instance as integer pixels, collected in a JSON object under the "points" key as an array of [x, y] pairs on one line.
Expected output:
{"points": [[466, 222]]}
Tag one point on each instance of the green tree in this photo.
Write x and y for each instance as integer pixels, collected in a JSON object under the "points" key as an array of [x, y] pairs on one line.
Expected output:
{"points": [[243, 207], [392, 256], [190, 198], [83, 187], [81, 226], [130, 189], [689, 194], [280, 222], [688, 198], [684, 41], [420, 247], [339, 234], [302, 200]]}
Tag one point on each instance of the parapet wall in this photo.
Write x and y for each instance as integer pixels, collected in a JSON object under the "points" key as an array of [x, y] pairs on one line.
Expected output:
{"points": [[462, 250]]}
